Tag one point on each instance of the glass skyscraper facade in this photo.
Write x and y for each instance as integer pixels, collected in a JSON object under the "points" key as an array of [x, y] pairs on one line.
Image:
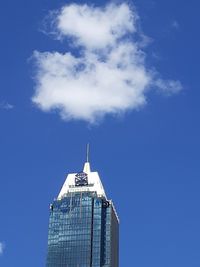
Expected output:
{"points": [[83, 224]]}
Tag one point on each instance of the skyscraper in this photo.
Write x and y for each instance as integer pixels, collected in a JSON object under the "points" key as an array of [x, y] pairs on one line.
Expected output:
{"points": [[83, 224]]}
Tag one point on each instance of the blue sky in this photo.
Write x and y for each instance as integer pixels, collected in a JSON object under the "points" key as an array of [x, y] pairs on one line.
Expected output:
{"points": [[147, 155]]}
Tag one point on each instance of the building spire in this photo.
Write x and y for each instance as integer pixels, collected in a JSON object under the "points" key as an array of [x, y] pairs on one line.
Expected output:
{"points": [[86, 167], [87, 151]]}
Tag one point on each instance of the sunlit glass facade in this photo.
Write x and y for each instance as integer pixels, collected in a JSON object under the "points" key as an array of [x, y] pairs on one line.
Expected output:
{"points": [[83, 230]]}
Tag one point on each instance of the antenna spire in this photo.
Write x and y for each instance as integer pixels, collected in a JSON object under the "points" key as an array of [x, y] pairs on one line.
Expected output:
{"points": [[87, 152], [86, 167]]}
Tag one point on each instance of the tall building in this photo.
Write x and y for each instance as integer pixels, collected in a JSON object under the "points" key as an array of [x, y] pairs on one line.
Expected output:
{"points": [[83, 224]]}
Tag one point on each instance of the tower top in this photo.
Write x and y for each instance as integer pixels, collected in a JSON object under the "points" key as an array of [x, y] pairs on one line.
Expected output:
{"points": [[84, 181]]}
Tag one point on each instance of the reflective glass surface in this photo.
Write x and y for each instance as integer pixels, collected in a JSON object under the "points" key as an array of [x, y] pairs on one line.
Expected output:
{"points": [[83, 232]]}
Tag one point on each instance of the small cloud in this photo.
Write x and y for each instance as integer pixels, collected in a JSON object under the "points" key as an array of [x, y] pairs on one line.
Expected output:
{"points": [[6, 105], [105, 72], [169, 87], [175, 25], [2, 247]]}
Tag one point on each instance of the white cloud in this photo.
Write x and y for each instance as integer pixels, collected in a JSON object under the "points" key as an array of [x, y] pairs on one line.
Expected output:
{"points": [[5, 105], [108, 75], [2, 246], [96, 27]]}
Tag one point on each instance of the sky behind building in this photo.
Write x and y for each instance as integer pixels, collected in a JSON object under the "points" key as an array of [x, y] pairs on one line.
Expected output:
{"points": [[148, 157]]}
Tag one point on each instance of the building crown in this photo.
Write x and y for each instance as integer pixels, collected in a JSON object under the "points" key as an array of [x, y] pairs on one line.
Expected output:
{"points": [[84, 181]]}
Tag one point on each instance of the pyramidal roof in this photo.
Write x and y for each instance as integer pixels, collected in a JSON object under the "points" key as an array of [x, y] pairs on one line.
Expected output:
{"points": [[93, 183]]}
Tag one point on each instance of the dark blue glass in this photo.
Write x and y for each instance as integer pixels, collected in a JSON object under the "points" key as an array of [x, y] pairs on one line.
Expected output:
{"points": [[83, 232]]}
